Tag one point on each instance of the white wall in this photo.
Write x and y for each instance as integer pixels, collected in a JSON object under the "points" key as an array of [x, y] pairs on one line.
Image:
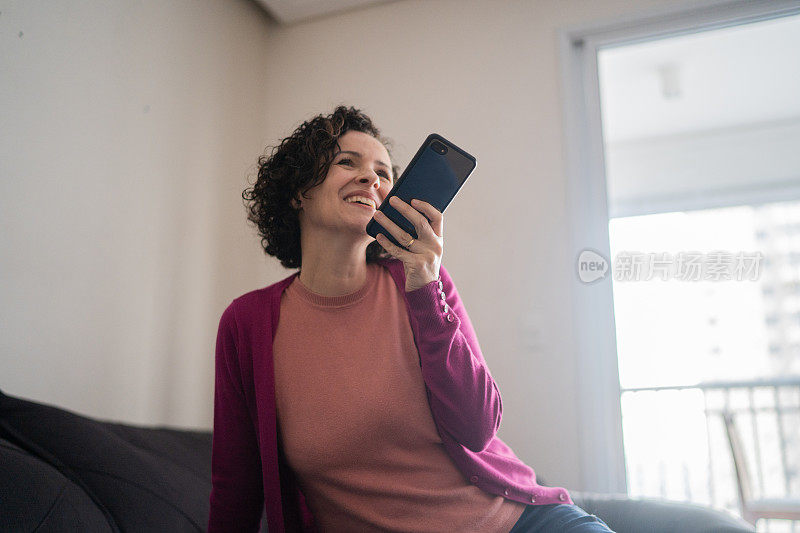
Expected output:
{"points": [[130, 133], [127, 127]]}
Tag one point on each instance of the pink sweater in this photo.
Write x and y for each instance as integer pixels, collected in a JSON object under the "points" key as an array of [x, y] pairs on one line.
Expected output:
{"points": [[250, 469], [355, 423]]}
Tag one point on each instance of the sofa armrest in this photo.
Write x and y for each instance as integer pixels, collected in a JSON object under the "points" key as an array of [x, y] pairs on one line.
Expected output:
{"points": [[35, 496], [624, 514]]}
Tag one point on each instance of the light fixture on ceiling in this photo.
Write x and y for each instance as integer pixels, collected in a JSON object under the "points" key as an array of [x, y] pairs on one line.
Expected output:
{"points": [[669, 76]]}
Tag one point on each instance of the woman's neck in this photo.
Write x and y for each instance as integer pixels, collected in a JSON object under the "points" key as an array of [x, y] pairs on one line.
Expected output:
{"points": [[329, 269]]}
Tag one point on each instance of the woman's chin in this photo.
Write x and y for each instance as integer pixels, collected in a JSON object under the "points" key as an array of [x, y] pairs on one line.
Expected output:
{"points": [[359, 231]]}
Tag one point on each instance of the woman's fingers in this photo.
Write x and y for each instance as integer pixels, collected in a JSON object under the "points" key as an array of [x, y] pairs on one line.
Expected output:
{"points": [[397, 232], [396, 251], [434, 216], [421, 223]]}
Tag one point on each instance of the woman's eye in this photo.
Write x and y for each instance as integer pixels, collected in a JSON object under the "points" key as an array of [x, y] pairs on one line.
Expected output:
{"points": [[349, 162]]}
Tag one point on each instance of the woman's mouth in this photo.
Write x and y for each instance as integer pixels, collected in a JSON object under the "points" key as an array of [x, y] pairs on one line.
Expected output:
{"points": [[364, 206]]}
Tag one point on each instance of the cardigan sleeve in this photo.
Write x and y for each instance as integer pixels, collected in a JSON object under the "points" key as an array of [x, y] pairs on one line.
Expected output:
{"points": [[237, 499], [463, 396]]}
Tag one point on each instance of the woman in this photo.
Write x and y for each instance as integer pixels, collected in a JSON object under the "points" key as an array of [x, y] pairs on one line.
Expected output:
{"points": [[368, 406]]}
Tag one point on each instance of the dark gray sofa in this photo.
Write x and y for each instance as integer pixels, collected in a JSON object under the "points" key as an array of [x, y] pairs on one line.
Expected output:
{"points": [[60, 471]]}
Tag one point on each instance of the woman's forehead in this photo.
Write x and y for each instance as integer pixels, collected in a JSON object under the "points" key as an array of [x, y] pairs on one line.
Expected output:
{"points": [[362, 142]]}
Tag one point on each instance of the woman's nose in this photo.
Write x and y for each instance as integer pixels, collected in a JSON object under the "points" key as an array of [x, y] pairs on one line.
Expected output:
{"points": [[370, 177]]}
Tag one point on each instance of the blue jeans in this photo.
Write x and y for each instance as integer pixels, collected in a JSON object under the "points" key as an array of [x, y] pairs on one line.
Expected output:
{"points": [[558, 518]]}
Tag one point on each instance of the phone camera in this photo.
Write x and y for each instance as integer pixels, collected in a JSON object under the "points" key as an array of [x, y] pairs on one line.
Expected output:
{"points": [[439, 148]]}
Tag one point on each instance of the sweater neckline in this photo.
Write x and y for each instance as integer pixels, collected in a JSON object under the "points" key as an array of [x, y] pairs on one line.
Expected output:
{"points": [[344, 300]]}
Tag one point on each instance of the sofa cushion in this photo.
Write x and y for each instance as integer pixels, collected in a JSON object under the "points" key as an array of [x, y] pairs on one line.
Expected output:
{"points": [[37, 497], [125, 469], [628, 515]]}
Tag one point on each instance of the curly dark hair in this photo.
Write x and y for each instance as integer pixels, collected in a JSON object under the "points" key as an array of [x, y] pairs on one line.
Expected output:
{"points": [[300, 162]]}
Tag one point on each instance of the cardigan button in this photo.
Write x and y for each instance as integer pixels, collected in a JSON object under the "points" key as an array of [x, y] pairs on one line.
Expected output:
{"points": [[473, 479], [533, 498], [443, 296], [506, 491], [450, 318], [562, 497], [441, 286]]}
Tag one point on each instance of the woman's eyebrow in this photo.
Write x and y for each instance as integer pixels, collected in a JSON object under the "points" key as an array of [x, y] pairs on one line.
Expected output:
{"points": [[359, 155]]}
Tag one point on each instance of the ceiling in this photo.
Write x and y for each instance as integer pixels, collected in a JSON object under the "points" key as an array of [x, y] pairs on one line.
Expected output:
{"points": [[293, 11], [721, 79], [718, 79]]}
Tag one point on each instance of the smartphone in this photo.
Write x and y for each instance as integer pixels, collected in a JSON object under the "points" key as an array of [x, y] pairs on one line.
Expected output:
{"points": [[434, 175]]}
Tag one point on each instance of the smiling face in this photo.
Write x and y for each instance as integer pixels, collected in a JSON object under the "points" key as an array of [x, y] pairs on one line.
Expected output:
{"points": [[362, 165]]}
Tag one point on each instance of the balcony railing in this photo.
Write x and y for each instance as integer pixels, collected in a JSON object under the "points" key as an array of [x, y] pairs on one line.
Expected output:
{"points": [[676, 446]]}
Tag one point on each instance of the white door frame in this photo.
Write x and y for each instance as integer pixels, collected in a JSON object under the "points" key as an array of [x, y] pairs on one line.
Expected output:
{"points": [[600, 420]]}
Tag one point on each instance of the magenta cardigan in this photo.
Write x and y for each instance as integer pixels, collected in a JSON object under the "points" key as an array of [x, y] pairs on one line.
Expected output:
{"points": [[249, 470]]}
